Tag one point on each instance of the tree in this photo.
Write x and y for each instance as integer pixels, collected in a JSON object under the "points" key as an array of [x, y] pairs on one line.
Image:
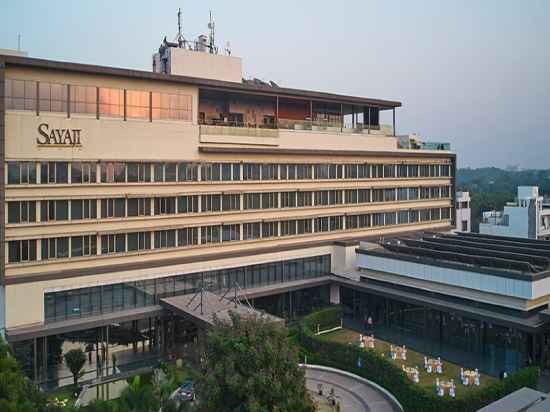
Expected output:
{"points": [[17, 394], [250, 365], [138, 397], [75, 360]]}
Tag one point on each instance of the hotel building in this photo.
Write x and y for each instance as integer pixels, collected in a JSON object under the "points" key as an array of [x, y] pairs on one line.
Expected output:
{"points": [[122, 188]]}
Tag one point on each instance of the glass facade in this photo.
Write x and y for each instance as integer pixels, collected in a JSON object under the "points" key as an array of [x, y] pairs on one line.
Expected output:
{"points": [[473, 343], [84, 302]]}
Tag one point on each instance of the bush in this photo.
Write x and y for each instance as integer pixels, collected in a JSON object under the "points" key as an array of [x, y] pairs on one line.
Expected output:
{"points": [[377, 369], [326, 318]]}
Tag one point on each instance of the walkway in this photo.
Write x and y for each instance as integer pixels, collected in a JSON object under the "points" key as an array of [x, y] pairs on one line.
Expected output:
{"points": [[354, 393]]}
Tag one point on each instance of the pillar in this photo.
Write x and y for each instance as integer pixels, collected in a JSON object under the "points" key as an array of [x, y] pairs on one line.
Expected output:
{"points": [[334, 294]]}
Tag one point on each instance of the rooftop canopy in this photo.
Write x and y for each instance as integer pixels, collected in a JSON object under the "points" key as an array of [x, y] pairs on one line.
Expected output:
{"points": [[512, 255]]}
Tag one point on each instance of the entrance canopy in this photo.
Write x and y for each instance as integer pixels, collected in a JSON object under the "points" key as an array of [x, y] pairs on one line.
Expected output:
{"points": [[203, 307]]}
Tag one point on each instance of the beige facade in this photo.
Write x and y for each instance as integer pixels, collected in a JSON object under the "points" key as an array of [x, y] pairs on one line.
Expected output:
{"points": [[150, 142]]}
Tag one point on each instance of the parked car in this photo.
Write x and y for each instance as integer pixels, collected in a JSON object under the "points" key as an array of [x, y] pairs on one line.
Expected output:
{"points": [[185, 392]]}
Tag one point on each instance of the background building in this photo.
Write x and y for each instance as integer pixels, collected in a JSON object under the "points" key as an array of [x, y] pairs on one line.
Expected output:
{"points": [[527, 217], [463, 212]]}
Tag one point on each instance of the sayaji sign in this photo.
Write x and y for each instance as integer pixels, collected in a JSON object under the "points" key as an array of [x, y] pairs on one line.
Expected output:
{"points": [[57, 137]]}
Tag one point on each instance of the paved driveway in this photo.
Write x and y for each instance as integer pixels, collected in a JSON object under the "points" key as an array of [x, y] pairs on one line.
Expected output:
{"points": [[353, 394]]}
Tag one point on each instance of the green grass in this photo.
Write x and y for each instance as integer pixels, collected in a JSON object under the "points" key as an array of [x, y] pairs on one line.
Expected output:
{"points": [[415, 359]]}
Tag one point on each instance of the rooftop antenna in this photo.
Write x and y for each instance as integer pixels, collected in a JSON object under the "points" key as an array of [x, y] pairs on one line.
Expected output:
{"points": [[228, 48], [180, 39], [19, 42], [211, 26]]}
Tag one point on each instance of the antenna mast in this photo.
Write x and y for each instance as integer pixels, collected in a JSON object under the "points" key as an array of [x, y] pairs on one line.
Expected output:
{"points": [[211, 26], [180, 39]]}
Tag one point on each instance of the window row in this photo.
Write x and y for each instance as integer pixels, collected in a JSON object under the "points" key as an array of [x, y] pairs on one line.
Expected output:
{"points": [[96, 300], [60, 210], [146, 172], [40, 96], [77, 246]]}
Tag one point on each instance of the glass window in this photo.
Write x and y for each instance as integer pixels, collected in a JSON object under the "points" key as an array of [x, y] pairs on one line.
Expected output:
{"points": [[54, 172], [139, 241], [231, 233], [187, 172], [53, 97], [251, 230], [211, 203], [21, 251], [22, 212], [269, 200], [83, 99], [21, 173], [137, 104], [171, 106], [252, 200], [165, 238], [139, 206], [188, 204], [231, 202], [111, 102], [288, 199], [251, 171], [138, 172], [170, 172], [304, 199], [165, 205], [83, 172], [269, 229], [188, 236], [20, 94], [210, 234]]}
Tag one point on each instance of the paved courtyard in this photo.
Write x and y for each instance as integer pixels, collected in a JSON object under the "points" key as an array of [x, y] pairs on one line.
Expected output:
{"points": [[353, 394]]}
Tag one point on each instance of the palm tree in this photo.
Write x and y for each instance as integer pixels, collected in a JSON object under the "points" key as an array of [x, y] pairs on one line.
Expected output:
{"points": [[75, 360], [138, 397]]}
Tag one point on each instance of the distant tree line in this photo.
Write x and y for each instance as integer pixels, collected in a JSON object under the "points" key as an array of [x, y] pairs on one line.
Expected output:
{"points": [[491, 187]]}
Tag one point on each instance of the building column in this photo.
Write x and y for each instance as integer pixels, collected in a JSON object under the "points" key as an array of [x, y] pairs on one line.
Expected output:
{"points": [[334, 294]]}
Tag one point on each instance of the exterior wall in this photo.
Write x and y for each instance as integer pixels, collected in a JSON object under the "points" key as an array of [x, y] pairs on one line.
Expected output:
{"points": [[110, 139], [460, 278], [205, 65]]}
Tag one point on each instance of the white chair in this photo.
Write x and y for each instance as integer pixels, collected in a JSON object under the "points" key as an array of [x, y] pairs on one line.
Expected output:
{"points": [[429, 368], [452, 391], [462, 374], [439, 369], [476, 380], [425, 362]]}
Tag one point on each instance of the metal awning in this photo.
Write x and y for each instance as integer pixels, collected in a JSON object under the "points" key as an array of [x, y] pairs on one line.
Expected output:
{"points": [[204, 307]]}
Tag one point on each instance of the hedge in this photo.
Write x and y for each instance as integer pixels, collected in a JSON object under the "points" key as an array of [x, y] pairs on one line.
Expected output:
{"points": [[378, 369]]}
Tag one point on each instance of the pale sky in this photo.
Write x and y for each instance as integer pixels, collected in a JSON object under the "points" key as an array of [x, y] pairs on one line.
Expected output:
{"points": [[473, 73]]}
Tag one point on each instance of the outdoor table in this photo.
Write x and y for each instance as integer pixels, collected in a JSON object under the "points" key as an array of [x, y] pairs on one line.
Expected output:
{"points": [[369, 340], [446, 385], [410, 371], [470, 376]]}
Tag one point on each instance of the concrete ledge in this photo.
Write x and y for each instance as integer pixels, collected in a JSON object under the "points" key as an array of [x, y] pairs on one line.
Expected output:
{"points": [[392, 399]]}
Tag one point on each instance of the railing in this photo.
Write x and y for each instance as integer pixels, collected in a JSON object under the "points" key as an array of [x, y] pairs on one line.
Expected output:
{"points": [[235, 130], [496, 220], [334, 127], [406, 142]]}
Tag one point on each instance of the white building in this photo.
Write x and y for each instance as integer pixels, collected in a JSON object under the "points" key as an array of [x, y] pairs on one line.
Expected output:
{"points": [[527, 217], [463, 212]]}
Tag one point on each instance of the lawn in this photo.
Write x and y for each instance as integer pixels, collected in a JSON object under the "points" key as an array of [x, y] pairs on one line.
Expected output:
{"points": [[450, 370]]}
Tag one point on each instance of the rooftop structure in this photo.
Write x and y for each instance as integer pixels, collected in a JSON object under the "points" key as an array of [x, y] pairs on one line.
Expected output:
{"points": [[527, 217]]}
